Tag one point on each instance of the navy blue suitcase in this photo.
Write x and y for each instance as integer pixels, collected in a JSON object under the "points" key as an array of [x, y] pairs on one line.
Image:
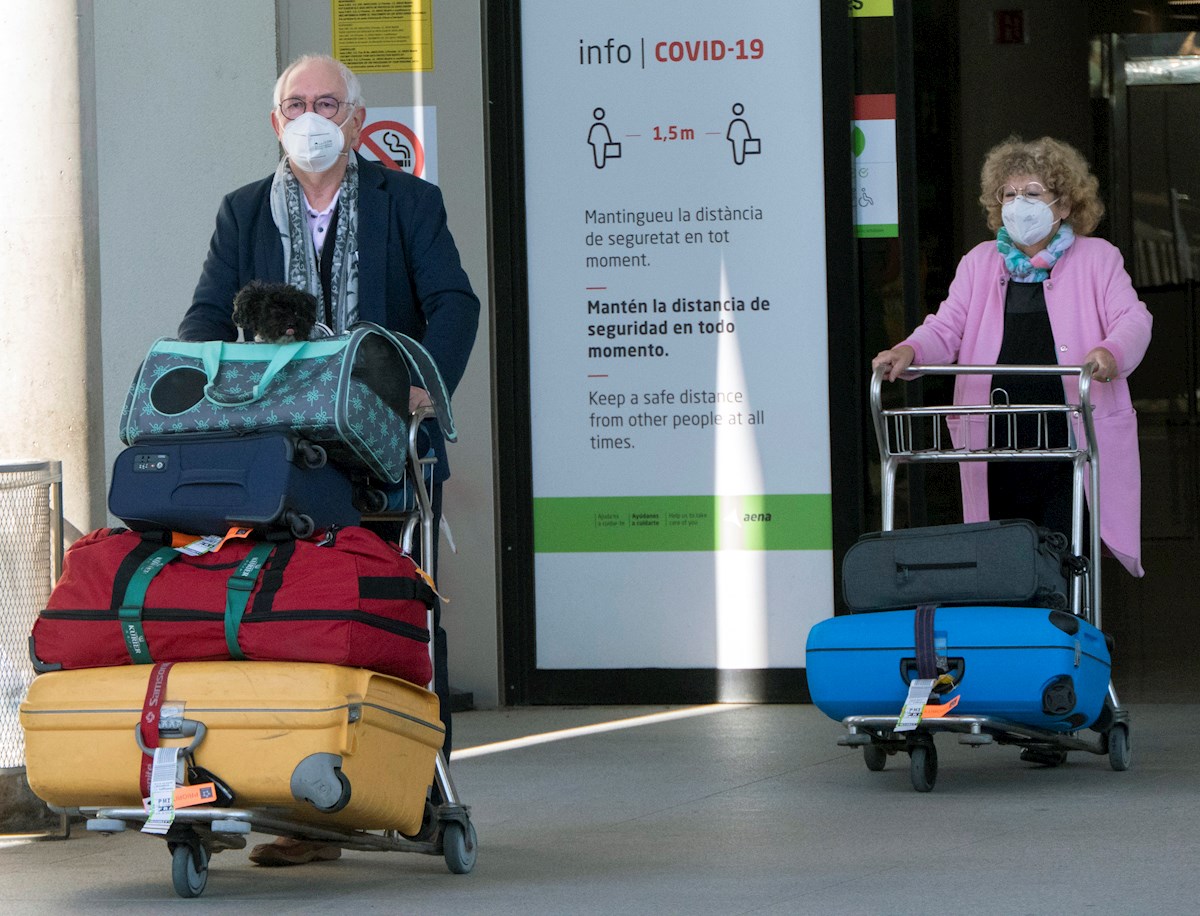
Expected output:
{"points": [[208, 484], [1044, 668]]}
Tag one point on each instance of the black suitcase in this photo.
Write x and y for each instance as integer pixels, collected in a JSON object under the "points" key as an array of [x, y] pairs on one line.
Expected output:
{"points": [[1006, 562], [208, 484]]}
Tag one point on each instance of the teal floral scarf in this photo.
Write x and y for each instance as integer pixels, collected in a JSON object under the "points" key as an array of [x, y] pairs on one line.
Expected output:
{"points": [[1021, 267]]}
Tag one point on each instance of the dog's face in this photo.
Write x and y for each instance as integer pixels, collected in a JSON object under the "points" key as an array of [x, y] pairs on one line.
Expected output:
{"points": [[277, 312]]}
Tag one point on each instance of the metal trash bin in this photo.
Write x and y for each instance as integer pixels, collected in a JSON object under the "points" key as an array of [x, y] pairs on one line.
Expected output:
{"points": [[30, 563]]}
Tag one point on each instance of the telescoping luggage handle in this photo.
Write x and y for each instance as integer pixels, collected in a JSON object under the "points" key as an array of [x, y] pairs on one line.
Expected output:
{"points": [[237, 596], [895, 432]]}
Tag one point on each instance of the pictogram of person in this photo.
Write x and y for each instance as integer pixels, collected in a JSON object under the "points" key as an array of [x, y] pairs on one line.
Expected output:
{"points": [[743, 142], [601, 141]]}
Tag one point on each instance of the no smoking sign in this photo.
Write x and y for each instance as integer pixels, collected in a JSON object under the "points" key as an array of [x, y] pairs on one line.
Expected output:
{"points": [[404, 139]]}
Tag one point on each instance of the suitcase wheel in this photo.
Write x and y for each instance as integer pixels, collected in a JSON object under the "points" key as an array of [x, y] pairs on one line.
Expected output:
{"points": [[460, 845], [371, 501], [189, 868], [301, 525], [318, 779], [312, 455]]}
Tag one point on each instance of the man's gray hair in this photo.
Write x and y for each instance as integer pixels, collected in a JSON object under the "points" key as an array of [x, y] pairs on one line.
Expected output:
{"points": [[353, 86]]}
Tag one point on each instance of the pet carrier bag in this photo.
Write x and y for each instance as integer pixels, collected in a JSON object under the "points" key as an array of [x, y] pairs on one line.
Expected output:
{"points": [[348, 394]]}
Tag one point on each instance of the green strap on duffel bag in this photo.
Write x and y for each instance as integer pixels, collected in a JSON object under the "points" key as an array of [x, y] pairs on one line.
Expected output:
{"points": [[237, 596]]}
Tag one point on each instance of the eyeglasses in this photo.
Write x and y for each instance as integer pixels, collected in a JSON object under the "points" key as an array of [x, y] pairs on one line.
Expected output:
{"points": [[326, 106], [1031, 191]]}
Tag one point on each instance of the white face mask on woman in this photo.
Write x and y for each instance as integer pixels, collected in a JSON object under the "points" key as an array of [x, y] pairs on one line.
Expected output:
{"points": [[1028, 221], [312, 143]]}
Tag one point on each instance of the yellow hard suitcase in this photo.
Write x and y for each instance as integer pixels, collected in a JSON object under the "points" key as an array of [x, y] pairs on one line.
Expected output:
{"points": [[310, 743]]}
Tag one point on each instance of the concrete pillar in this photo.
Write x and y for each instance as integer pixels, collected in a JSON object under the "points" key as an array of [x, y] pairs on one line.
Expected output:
{"points": [[50, 292], [49, 253]]}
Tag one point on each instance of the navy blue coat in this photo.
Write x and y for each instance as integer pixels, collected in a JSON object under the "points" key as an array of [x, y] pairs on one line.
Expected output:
{"points": [[410, 278]]}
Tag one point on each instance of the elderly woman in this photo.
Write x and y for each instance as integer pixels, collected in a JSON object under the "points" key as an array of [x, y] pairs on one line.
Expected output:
{"points": [[1042, 292]]}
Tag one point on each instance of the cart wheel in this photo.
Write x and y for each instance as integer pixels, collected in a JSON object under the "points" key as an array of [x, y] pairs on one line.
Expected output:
{"points": [[1044, 756], [1118, 747], [460, 846], [922, 766], [875, 757], [189, 869]]}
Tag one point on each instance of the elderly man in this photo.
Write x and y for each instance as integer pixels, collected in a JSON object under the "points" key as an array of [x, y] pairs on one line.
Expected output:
{"points": [[389, 258], [371, 244]]}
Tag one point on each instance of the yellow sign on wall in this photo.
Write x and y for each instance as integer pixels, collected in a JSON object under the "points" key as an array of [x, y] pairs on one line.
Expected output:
{"points": [[384, 36], [871, 8]]}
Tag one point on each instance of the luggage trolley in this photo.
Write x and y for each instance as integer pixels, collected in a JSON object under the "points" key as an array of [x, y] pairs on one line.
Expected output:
{"points": [[198, 832], [916, 435]]}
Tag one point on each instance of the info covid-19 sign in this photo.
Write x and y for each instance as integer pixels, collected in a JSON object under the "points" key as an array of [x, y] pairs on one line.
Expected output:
{"points": [[676, 262]]}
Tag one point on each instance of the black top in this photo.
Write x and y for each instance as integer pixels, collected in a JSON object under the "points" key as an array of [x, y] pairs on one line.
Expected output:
{"points": [[1028, 341]]}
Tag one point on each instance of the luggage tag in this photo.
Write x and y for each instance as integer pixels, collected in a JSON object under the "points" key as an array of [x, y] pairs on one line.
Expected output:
{"points": [[918, 695], [163, 776], [204, 793], [429, 581], [916, 705], [937, 712], [193, 546]]}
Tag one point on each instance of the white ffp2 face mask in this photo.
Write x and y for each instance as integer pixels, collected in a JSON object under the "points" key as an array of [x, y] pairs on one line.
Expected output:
{"points": [[1027, 221], [312, 143]]}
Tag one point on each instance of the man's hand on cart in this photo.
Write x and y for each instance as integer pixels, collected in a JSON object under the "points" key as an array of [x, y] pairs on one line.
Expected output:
{"points": [[1105, 362], [895, 361], [418, 397]]}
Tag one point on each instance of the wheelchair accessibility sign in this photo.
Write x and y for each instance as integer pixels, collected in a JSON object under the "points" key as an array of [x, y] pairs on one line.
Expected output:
{"points": [[404, 139]]}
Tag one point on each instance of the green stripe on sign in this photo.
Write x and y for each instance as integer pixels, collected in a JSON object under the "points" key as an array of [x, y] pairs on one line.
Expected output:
{"points": [[877, 230], [647, 524]]}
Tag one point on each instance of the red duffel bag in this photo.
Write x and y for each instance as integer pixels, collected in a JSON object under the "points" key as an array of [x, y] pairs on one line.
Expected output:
{"points": [[345, 598]]}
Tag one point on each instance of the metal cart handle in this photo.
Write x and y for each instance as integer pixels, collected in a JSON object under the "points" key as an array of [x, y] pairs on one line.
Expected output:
{"points": [[894, 431]]}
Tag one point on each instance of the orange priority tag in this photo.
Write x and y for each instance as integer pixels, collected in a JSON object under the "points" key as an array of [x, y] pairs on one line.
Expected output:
{"points": [[195, 546], [203, 793], [429, 581], [936, 712], [233, 534]]}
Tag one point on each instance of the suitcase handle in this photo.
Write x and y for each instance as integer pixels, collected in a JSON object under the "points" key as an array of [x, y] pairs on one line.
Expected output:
{"points": [[211, 354], [956, 668], [188, 728]]}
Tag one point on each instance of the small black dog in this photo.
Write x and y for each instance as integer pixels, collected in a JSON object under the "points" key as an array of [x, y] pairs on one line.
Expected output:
{"points": [[277, 312]]}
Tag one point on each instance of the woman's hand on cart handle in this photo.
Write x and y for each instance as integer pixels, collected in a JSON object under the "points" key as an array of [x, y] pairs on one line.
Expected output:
{"points": [[1105, 363], [894, 361]]}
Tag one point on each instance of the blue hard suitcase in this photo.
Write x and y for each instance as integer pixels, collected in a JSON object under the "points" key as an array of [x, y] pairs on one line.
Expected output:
{"points": [[1043, 668], [208, 484]]}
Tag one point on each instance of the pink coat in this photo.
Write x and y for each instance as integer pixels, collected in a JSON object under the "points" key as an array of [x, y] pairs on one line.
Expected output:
{"points": [[1091, 303]]}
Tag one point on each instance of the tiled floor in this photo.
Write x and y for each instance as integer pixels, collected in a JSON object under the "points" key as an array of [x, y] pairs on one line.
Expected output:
{"points": [[723, 810]]}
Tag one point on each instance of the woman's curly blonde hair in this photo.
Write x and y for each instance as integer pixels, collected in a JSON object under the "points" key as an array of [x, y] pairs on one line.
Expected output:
{"points": [[1060, 166]]}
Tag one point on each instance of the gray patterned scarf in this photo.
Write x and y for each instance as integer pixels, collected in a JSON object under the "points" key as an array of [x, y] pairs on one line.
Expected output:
{"points": [[300, 264]]}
